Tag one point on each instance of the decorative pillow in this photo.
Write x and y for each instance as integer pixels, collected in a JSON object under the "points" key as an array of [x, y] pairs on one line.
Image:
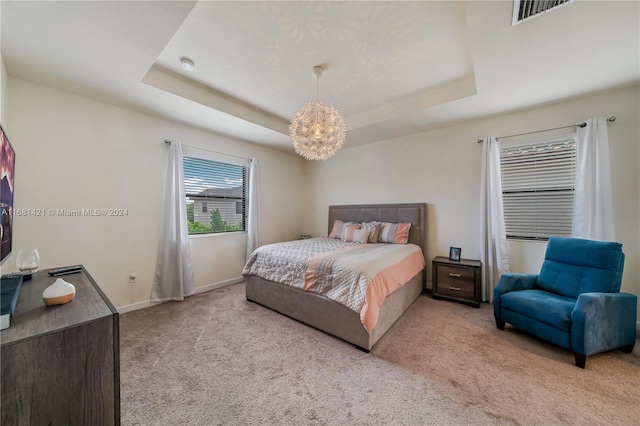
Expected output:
{"points": [[374, 230], [348, 230], [394, 233], [354, 235], [338, 226]]}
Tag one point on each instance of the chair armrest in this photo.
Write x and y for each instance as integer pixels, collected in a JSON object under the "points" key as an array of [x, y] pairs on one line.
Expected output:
{"points": [[603, 321], [511, 282]]}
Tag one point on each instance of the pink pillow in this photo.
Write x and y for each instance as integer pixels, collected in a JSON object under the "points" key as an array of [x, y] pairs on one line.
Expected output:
{"points": [[394, 233], [348, 231], [338, 226]]}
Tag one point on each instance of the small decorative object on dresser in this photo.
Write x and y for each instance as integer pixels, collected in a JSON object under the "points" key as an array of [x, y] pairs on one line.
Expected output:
{"points": [[28, 262], [457, 280], [58, 293]]}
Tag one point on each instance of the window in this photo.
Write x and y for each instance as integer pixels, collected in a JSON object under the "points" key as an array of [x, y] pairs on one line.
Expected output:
{"points": [[538, 184], [216, 188]]}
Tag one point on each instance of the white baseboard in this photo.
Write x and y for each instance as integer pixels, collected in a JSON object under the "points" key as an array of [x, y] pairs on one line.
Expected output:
{"points": [[220, 284], [203, 289], [134, 306]]}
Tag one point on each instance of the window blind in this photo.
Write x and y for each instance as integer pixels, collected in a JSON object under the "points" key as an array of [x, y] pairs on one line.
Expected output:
{"points": [[216, 195], [538, 183]]}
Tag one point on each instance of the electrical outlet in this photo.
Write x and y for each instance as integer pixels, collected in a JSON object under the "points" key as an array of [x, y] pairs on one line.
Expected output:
{"points": [[133, 277]]}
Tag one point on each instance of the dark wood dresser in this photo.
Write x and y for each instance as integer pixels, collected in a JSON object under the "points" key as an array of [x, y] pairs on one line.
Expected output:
{"points": [[457, 280], [61, 364]]}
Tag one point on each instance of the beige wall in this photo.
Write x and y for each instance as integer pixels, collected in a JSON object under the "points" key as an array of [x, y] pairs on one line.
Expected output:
{"points": [[73, 153], [442, 168]]}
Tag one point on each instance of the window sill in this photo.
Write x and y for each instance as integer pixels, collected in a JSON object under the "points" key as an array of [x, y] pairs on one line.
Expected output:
{"points": [[527, 240], [216, 234]]}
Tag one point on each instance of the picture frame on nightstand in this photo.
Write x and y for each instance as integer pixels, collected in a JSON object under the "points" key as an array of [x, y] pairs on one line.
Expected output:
{"points": [[454, 254]]}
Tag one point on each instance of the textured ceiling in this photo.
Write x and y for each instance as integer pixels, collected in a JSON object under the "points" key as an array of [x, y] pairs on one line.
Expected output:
{"points": [[263, 53], [392, 68]]}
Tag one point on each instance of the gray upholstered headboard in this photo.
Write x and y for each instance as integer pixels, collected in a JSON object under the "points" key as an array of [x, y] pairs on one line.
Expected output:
{"points": [[397, 213]]}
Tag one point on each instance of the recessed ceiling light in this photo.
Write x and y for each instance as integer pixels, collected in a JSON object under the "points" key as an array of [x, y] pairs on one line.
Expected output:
{"points": [[187, 64]]}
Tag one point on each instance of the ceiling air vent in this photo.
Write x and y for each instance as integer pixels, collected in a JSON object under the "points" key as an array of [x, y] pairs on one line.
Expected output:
{"points": [[523, 10]]}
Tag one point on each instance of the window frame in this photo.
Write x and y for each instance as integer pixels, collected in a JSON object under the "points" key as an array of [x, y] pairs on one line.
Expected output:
{"points": [[203, 154]]}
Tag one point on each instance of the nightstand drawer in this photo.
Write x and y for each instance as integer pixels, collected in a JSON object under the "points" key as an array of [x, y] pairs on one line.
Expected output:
{"points": [[460, 288], [455, 274]]}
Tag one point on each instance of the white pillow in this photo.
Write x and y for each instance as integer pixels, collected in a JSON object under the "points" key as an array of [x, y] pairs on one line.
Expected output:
{"points": [[374, 230], [352, 234]]}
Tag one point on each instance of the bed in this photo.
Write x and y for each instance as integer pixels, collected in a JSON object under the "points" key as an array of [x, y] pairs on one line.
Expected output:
{"points": [[331, 317]]}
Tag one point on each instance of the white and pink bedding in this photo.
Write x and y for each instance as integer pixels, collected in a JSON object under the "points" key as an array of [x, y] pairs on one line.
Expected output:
{"points": [[358, 276]]}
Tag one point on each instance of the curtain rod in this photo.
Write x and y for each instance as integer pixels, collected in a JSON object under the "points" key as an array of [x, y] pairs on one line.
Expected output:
{"points": [[168, 142], [610, 120]]}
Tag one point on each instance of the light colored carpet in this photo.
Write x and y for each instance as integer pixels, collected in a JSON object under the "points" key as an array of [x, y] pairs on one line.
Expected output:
{"points": [[216, 359]]}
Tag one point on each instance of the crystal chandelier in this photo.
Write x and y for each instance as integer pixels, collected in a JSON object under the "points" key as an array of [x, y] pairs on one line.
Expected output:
{"points": [[317, 130]]}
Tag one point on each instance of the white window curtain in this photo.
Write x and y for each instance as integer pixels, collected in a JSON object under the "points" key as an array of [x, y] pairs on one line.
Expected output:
{"points": [[593, 208], [493, 252], [173, 279], [252, 214]]}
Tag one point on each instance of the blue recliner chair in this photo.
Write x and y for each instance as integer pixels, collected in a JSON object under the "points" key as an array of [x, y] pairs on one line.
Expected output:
{"points": [[575, 300]]}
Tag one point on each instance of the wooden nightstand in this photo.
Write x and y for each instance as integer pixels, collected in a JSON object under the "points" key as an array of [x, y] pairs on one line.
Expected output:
{"points": [[458, 281]]}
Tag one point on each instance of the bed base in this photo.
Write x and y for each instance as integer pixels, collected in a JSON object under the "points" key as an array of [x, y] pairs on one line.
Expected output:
{"points": [[329, 316]]}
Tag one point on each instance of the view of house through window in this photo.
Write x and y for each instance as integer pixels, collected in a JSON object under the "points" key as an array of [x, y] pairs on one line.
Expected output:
{"points": [[538, 184], [216, 196]]}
